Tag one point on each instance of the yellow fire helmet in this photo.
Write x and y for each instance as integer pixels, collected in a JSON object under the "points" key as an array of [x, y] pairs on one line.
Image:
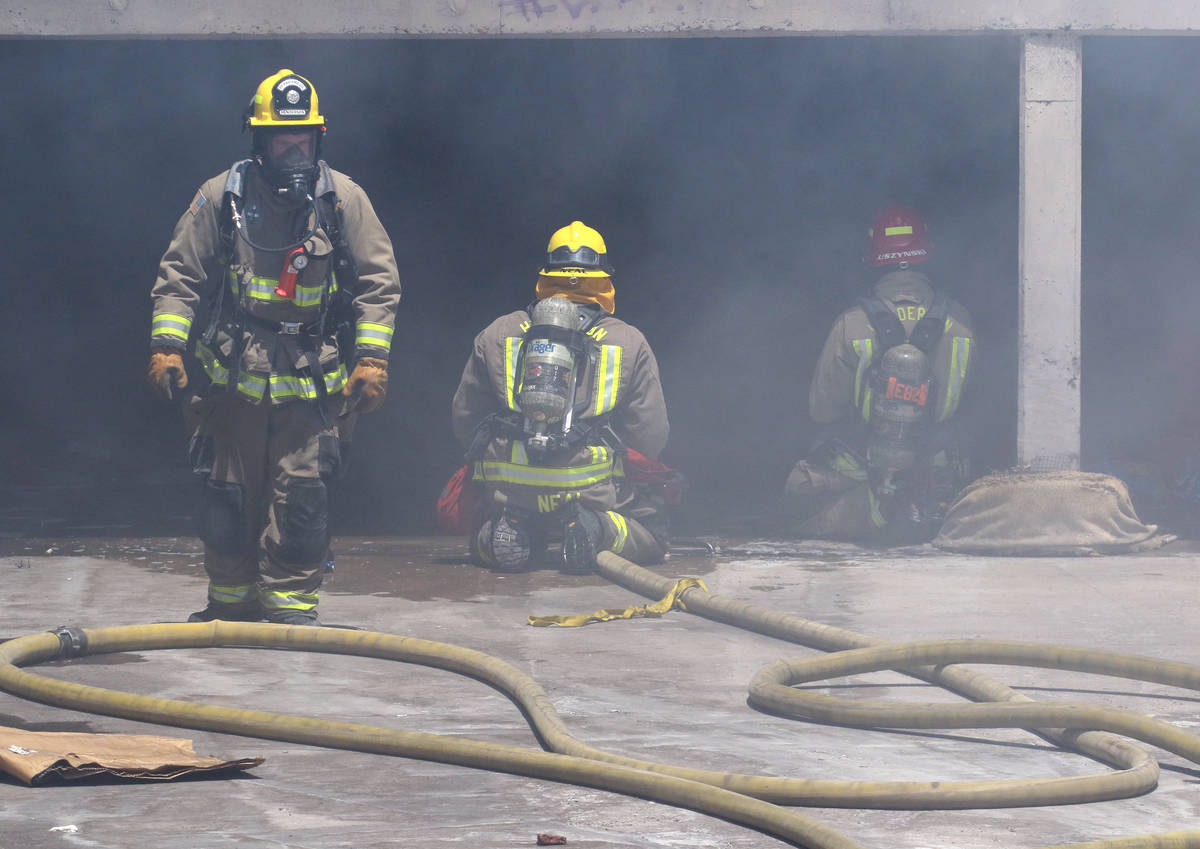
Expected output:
{"points": [[284, 99], [576, 251]]}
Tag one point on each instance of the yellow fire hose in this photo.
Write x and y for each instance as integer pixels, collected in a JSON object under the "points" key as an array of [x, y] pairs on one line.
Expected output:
{"points": [[746, 800]]}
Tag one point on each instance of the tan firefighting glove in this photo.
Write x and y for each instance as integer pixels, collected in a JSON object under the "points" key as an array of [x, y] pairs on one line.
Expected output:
{"points": [[166, 372], [367, 386]]}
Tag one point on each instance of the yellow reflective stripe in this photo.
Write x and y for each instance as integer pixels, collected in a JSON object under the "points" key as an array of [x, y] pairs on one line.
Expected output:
{"points": [[281, 386], [866, 352], [905, 230], [308, 296], [846, 466], [293, 386], [250, 385], [608, 378], [512, 346], [263, 289], [960, 353], [622, 529], [335, 380], [287, 600], [170, 324], [216, 372], [518, 455], [876, 515], [231, 594], [373, 333], [571, 477]]}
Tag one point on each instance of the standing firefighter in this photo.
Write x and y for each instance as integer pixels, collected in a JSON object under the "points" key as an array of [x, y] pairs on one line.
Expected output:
{"points": [[885, 391], [557, 403], [285, 274]]}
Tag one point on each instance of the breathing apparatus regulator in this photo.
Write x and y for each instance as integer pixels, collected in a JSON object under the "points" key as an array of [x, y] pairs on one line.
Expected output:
{"points": [[552, 356]]}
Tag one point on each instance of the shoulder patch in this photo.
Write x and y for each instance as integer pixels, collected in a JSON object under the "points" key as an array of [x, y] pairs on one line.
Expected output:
{"points": [[198, 201]]}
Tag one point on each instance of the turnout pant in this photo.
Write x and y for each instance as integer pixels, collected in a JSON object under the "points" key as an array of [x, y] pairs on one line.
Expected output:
{"points": [[641, 540], [264, 517]]}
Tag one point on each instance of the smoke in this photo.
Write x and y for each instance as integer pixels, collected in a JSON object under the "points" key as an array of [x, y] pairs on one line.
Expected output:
{"points": [[733, 180]]}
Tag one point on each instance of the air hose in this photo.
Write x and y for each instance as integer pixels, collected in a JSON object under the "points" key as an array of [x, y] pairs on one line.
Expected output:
{"points": [[746, 800]]}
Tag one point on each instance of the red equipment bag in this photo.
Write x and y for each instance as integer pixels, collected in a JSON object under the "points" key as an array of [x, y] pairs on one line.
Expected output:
{"points": [[669, 483], [458, 509]]}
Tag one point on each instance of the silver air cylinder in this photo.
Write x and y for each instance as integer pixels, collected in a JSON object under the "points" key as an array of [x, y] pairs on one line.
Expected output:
{"points": [[546, 387], [898, 401]]}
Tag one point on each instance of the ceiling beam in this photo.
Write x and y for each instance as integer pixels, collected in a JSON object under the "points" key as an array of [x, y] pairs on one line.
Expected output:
{"points": [[588, 18]]}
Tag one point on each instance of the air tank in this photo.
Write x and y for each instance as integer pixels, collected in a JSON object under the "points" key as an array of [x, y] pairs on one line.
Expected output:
{"points": [[898, 403], [546, 386]]}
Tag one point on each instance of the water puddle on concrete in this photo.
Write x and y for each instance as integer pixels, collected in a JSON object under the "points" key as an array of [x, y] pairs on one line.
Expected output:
{"points": [[424, 568]]}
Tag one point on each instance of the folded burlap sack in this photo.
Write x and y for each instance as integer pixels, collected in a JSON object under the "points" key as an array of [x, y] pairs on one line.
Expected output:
{"points": [[1046, 513]]}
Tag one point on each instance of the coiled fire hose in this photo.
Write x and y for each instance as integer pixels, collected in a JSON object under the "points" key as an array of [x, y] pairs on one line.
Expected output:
{"points": [[746, 800]]}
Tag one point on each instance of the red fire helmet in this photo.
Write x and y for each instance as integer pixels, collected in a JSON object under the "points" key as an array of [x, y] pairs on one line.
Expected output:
{"points": [[897, 237]]}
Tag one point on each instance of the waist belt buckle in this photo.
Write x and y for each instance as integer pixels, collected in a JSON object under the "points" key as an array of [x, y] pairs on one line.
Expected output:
{"points": [[290, 328]]}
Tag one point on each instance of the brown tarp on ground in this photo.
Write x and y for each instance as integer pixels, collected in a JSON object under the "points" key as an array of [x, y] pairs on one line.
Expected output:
{"points": [[1046, 513], [41, 757]]}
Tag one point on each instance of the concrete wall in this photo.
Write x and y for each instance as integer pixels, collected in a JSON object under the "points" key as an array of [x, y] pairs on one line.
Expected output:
{"points": [[479, 18]]}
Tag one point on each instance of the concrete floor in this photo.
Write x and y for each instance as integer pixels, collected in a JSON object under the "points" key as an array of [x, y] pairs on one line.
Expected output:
{"points": [[671, 689]]}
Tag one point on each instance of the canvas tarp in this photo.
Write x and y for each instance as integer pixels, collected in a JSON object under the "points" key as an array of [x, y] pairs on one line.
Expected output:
{"points": [[1046, 513]]}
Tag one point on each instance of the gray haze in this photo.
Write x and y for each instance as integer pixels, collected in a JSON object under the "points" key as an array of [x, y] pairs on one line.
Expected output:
{"points": [[733, 180]]}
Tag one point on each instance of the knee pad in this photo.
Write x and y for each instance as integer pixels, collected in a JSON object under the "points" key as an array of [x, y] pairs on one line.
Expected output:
{"points": [[222, 517], [304, 525], [332, 456]]}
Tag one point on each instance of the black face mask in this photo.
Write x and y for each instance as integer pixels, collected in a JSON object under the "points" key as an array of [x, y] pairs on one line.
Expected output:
{"points": [[293, 173]]}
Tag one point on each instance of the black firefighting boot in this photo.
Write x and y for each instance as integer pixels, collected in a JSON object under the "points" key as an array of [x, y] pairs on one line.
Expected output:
{"points": [[241, 611], [581, 540]]}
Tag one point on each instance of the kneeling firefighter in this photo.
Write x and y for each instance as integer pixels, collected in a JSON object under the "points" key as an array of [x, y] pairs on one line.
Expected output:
{"points": [[886, 391], [282, 283], [557, 401]]}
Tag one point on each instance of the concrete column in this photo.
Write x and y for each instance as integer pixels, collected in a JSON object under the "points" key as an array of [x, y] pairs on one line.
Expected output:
{"points": [[1051, 138]]}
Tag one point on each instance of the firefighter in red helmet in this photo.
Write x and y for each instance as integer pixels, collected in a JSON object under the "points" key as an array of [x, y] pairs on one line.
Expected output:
{"points": [[885, 393]]}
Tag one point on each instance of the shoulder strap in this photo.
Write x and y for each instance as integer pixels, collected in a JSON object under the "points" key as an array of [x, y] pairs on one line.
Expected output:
{"points": [[889, 331], [928, 331], [330, 212], [235, 185]]}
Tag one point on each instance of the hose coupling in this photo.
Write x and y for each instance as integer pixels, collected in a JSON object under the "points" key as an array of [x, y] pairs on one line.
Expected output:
{"points": [[73, 641]]}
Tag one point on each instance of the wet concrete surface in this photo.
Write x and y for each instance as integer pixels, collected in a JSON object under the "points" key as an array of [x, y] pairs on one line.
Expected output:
{"points": [[671, 689]]}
